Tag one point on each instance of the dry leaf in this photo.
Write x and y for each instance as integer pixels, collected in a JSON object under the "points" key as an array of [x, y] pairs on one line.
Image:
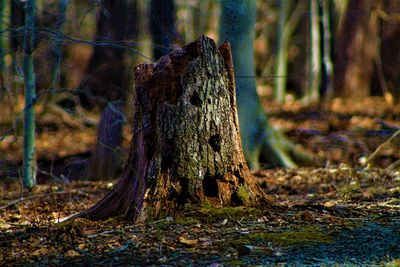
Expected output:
{"points": [[72, 253], [40, 252], [188, 242], [329, 204]]}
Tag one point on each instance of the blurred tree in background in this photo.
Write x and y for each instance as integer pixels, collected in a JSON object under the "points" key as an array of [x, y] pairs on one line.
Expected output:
{"points": [[105, 74], [259, 138], [356, 49], [162, 16]]}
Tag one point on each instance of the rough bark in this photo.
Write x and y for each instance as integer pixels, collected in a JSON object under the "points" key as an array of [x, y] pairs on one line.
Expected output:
{"points": [[356, 50], [186, 143], [107, 158]]}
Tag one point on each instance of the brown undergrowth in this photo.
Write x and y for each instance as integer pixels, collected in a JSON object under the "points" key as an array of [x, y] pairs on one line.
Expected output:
{"points": [[345, 213]]}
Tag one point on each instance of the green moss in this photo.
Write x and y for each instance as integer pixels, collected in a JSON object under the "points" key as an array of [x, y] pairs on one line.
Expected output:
{"points": [[186, 220], [350, 190], [243, 194], [305, 235], [206, 204], [231, 212], [234, 263]]}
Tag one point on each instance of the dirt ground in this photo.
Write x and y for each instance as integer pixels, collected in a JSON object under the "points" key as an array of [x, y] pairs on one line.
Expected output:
{"points": [[346, 212]]}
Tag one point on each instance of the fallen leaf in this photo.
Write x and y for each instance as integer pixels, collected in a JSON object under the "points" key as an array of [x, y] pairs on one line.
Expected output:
{"points": [[329, 204], [72, 253], [188, 242], [40, 252]]}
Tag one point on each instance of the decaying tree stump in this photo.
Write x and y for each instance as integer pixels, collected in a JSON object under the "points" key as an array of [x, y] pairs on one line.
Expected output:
{"points": [[186, 144]]}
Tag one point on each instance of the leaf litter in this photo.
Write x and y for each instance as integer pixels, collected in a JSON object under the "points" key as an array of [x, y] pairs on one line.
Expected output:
{"points": [[345, 213]]}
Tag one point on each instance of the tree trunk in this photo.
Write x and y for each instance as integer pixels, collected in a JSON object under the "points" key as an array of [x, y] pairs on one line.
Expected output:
{"points": [[326, 48], [387, 78], [282, 52], [186, 143], [2, 47], [29, 157], [107, 159], [57, 49], [105, 72], [260, 140], [356, 51], [162, 26], [315, 54]]}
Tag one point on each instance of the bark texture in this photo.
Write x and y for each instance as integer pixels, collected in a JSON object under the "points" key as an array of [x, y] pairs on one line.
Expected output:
{"points": [[186, 143]]}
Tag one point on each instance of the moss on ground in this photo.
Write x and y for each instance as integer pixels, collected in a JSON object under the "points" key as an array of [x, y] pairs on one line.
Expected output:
{"points": [[243, 194], [306, 235], [187, 220], [231, 212]]}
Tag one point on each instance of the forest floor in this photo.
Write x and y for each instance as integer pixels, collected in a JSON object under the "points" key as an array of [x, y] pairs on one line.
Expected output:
{"points": [[346, 212]]}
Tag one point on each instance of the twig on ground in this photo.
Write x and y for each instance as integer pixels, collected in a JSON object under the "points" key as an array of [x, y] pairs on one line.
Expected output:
{"points": [[393, 166], [380, 147], [57, 178]]}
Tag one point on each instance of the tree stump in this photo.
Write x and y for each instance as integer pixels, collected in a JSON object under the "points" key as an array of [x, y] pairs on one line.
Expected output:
{"points": [[186, 145]]}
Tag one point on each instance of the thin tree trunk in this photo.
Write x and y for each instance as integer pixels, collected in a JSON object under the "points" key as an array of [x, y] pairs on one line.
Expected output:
{"points": [[2, 46], [326, 47], [286, 26], [186, 143], [29, 157], [315, 55], [282, 53], [58, 43]]}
